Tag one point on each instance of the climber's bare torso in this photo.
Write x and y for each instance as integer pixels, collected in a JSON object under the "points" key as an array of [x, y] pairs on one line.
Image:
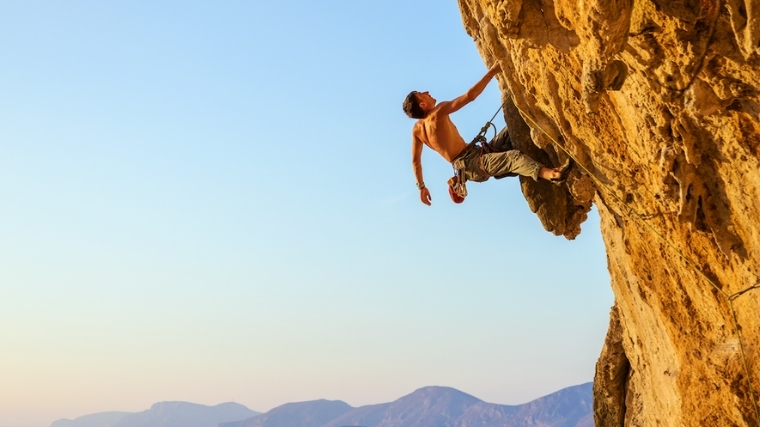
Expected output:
{"points": [[438, 132]]}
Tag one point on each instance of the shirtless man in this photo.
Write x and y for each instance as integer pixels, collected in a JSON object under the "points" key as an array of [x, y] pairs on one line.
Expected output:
{"points": [[435, 129]]}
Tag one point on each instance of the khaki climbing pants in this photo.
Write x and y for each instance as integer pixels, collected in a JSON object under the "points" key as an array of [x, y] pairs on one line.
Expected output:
{"points": [[479, 167]]}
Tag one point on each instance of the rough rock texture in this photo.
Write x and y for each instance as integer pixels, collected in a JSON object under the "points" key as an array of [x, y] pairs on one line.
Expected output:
{"points": [[658, 102]]}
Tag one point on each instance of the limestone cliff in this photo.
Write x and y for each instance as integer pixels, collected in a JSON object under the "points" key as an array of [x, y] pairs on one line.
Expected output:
{"points": [[658, 102]]}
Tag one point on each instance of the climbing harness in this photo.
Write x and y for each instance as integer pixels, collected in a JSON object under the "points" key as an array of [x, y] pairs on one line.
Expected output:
{"points": [[457, 186], [729, 298]]}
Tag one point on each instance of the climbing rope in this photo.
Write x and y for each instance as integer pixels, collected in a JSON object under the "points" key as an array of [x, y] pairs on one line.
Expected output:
{"points": [[481, 136], [730, 298]]}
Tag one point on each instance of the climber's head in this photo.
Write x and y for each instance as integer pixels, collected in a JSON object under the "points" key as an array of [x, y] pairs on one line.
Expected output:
{"points": [[418, 104]]}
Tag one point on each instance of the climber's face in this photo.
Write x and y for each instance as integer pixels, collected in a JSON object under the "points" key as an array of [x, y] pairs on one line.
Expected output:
{"points": [[425, 101]]}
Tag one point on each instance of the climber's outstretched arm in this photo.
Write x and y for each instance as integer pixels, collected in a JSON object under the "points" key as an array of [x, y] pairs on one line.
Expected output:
{"points": [[449, 107]]}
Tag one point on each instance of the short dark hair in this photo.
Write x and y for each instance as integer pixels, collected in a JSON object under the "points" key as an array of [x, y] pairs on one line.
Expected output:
{"points": [[412, 106]]}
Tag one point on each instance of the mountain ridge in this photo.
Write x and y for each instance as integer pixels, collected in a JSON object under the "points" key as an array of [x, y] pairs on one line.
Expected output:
{"points": [[430, 406]]}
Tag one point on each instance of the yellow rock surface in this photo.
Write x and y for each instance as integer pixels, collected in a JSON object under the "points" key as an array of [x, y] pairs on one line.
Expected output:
{"points": [[658, 102]]}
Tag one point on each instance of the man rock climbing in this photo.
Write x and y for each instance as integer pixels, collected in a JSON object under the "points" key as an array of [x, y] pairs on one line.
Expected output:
{"points": [[435, 129]]}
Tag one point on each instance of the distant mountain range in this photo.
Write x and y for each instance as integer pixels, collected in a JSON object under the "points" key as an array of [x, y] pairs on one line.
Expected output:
{"points": [[426, 407]]}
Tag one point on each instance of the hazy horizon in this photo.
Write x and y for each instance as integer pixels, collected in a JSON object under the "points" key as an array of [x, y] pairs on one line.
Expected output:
{"points": [[215, 202], [355, 407], [283, 403]]}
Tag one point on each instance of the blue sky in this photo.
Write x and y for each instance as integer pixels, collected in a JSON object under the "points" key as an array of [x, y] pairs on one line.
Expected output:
{"points": [[208, 202]]}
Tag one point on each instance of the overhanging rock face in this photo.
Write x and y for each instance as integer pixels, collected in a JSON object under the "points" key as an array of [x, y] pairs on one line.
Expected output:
{"points": [[658, 102]]}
